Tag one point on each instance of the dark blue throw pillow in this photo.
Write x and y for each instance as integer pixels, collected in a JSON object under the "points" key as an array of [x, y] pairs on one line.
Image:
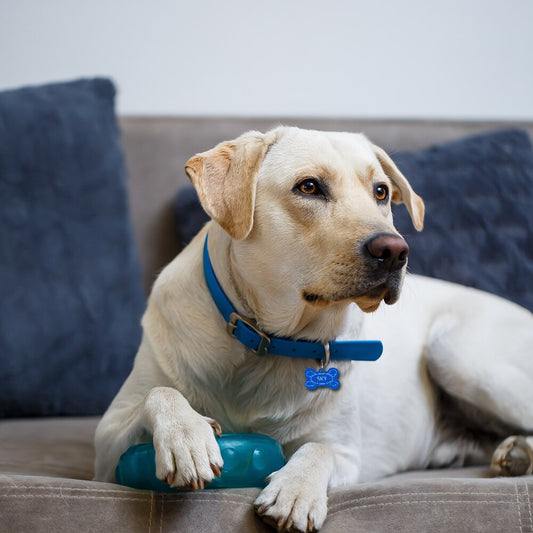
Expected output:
{"points": [[479, 213], [189, 215], [70, 289]]}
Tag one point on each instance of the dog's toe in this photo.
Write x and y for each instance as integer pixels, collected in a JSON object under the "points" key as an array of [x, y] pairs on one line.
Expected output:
{"points": [[292, 505], [513, 457], [187, 455], [215, 425]]}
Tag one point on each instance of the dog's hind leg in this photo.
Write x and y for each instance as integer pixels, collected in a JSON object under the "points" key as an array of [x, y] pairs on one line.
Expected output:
{"points": [[481, 354]]}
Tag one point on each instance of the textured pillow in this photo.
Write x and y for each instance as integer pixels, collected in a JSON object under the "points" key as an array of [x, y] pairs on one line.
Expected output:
{"points": [[189, 215], [479, 213], [70, 288]]}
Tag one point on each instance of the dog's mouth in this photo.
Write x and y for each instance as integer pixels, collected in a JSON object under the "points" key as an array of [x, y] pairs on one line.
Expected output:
{"points": [[368, 298], [371, 300]]}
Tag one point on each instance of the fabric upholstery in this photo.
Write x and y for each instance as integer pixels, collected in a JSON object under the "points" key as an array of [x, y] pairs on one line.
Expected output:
{"points": [[459, 505], [52, 491], [70, 289], [40, 505]]}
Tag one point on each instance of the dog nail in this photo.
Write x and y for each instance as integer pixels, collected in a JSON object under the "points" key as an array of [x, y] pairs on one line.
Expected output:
{"points": [[216, 470], [216, 428], [281, 524], [170, 479]]}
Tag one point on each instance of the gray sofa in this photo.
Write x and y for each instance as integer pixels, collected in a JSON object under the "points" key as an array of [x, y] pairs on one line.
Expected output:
{"points": [[46, 464]]}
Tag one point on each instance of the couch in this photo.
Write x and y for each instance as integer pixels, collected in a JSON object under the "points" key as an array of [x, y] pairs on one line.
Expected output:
{"points": [[46, 450]]}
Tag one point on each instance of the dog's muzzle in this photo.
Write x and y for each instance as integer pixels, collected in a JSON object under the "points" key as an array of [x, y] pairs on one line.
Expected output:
{"points": [[386, 256], [378, 276]]}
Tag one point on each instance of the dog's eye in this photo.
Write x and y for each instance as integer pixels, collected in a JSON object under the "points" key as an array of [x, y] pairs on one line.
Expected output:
{"points": [[310, 187], [381, 192]]}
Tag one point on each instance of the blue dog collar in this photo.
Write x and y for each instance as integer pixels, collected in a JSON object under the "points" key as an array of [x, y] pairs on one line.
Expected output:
{"points": [[248, 333]]}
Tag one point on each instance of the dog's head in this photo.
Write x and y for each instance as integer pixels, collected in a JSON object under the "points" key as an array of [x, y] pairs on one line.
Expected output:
{"points": [[313, 209]]}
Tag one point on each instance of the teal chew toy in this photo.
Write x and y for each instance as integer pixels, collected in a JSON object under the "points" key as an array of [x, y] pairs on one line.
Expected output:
{"points": [[248, 459]]}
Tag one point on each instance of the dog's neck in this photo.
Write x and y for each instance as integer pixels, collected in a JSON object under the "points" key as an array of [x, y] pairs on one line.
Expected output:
{"points": [[276, 308]]}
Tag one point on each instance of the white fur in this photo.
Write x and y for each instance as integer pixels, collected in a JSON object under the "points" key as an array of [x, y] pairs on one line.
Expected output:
{"points": [[384, 418]]}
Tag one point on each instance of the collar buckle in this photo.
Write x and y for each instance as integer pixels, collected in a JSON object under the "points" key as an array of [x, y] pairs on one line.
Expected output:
{"points": [[264, 341]]}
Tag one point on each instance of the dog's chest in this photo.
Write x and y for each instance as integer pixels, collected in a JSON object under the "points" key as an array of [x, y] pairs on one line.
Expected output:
{"points": [[268, 395]]}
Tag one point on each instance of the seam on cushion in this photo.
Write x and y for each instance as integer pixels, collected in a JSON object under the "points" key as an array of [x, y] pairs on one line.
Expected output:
{"points": [[199, 496], [63, 488], [213, 500], [5, 466], [525, 522], [170, 497], [7, 478], [151, 512], [529, 506], [161, 515], [216, 500], [419, 495], [206, 496], [421, 502], [72, 497], [82, 475], [518, 505]]}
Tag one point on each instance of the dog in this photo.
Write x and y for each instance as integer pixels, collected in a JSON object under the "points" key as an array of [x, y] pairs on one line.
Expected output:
{"points": [[303, 246]]}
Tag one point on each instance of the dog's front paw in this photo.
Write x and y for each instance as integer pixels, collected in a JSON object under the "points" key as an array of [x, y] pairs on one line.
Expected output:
{"points": [[293, 502], [513, 457], [187, 454]]}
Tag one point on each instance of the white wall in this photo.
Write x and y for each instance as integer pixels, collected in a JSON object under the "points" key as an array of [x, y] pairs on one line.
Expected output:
{"points": [[409, 58]]}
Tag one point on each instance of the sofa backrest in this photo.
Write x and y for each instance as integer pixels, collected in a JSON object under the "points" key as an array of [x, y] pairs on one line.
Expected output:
{"points": [[157, 149]]}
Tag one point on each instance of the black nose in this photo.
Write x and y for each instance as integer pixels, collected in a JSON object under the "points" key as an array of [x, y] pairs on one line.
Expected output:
{"points": [[390, 251]]}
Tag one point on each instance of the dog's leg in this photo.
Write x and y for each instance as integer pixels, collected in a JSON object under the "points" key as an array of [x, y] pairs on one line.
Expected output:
{"points": [[118, 429], [296, 497], [482, 355], [513, 457], [186, 452]]}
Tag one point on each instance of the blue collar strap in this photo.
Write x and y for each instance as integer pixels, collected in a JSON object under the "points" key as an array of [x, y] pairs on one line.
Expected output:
{"points": [[248, 333]]}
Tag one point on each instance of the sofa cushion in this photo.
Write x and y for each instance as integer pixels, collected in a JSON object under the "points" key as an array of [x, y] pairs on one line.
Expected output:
{"points": [[459, 501], [46, 467], [70, 290], [479, 197]]}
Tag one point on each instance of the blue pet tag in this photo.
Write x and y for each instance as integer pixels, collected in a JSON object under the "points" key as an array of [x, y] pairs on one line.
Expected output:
{"points": [[322, 378]]}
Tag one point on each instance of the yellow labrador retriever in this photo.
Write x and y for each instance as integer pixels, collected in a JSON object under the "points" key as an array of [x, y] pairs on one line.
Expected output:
{"points": [[303, 247]]}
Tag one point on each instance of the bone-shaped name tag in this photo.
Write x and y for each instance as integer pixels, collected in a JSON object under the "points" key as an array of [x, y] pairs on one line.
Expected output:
{"points": [[322, 378]]}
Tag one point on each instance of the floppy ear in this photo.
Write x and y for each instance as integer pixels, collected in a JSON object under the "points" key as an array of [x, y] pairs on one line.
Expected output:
{"points": [[225, 178], [402, 191]]}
